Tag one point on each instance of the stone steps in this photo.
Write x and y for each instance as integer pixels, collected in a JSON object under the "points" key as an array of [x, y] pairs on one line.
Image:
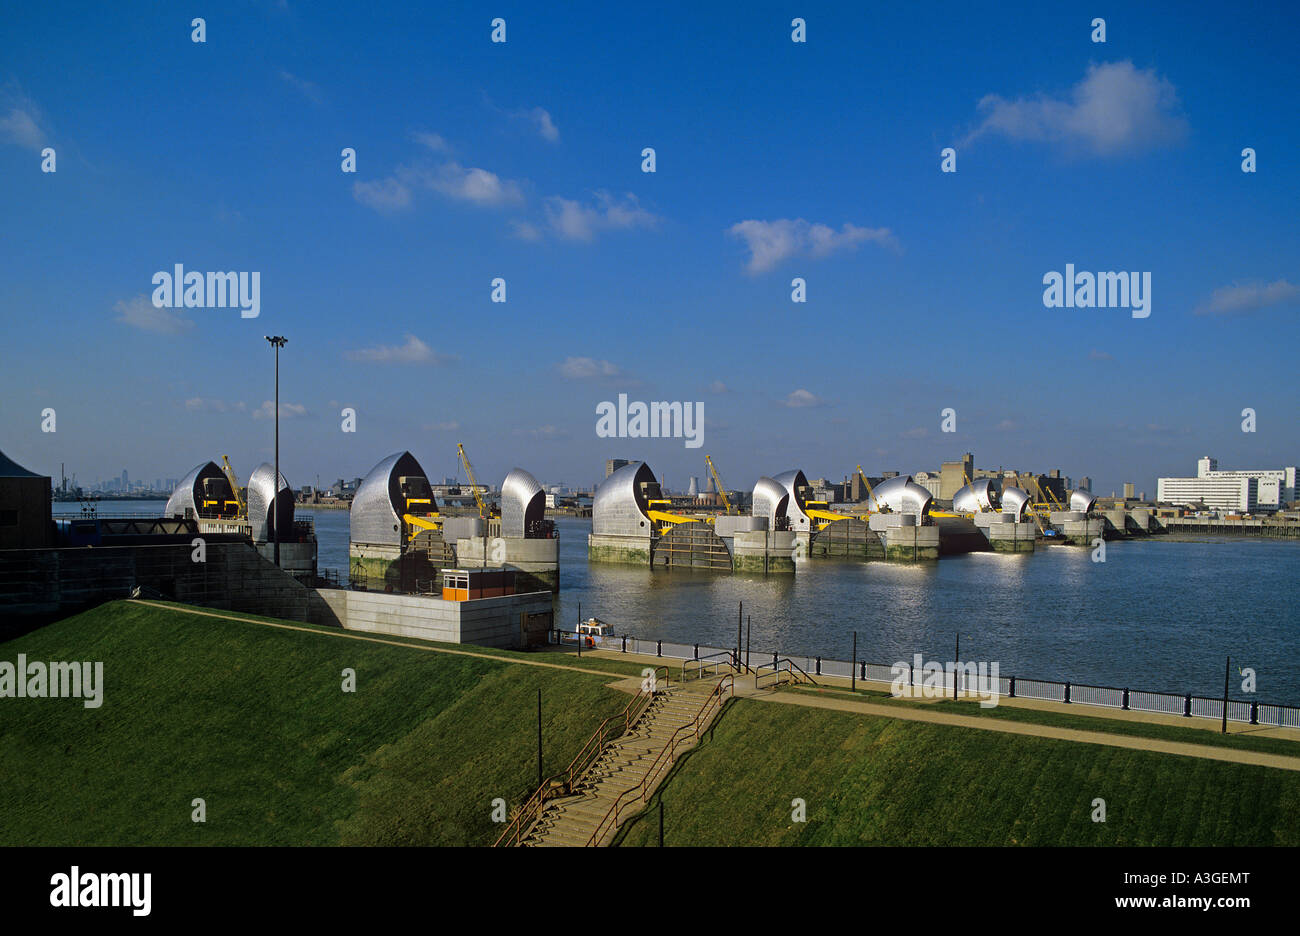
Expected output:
{"points": [[571, 821]]}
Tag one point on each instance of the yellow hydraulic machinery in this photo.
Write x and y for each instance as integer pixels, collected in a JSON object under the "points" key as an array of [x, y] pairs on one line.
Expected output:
{"points": [[871, 495], [820, 513], [660, 513], [717, 483], [817, 512], [483, 510], [418, 524], [241, 508], [418, 510], [1054, 503]]}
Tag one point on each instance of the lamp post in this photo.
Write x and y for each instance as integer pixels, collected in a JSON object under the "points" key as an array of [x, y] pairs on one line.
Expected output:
{"points": [[277, 342]]}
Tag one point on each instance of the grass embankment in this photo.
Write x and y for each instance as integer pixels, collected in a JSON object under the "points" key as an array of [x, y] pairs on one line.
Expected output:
{"points": [[561, 656], [1205, 732], [254, 720], [881, 781]]}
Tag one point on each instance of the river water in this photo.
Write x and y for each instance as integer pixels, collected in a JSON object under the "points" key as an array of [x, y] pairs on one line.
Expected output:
{"points": [[1159, 614]]}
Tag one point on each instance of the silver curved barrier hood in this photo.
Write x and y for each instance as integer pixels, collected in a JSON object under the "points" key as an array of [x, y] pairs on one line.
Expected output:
{"points": [[523, 502], [619, 506], [901, 495], [262, 494], [976, 497]]}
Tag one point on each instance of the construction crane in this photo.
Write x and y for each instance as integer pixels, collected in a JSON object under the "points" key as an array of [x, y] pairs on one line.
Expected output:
{"points": [[717, 483], [473, 483], [241, 506], [871, 495]]}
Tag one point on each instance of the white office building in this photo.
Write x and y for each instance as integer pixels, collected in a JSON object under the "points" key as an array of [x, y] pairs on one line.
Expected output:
{"points": [[1245, 491]]}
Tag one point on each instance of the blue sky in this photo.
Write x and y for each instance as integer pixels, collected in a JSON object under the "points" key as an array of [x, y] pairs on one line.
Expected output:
{"points": [[523, 160]]}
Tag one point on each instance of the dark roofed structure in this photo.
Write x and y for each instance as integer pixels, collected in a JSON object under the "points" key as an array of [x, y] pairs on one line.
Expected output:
{"points": [[25, 505]]}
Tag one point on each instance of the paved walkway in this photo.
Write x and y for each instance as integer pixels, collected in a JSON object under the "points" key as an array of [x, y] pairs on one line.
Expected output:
{"points": [[1042, 705], [837, 703]]}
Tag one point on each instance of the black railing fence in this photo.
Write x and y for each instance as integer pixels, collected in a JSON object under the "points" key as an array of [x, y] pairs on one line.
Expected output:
{"points": [[1013, 687]]}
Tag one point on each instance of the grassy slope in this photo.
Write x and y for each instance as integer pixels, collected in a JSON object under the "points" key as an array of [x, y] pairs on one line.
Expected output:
{"points": [[254, 721], [563, 657], [885, 782]]}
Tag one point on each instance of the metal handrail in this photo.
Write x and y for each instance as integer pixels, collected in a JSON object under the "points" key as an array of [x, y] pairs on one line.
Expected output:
{"points": [[628, 717], [669, 749], [709, 660], [790, 667], [516, 829]]}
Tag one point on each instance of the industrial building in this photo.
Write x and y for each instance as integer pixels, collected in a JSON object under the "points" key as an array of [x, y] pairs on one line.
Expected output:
{"points": [[1241, 491]]}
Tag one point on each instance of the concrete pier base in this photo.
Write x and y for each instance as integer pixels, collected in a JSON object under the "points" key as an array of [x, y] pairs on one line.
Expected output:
{"points": [[765, 551], [1012, 537], [911, 544], [905, 539], [625, 550], [1005, 534], [536, 562], [1083, 531]]}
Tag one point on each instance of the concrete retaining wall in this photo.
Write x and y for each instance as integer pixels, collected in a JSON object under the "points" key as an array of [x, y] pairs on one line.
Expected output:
{"points": [[47, 584], [490, 622]]}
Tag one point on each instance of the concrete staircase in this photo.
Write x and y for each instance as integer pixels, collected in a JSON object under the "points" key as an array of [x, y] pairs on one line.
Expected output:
{"points": [[571, 820]]}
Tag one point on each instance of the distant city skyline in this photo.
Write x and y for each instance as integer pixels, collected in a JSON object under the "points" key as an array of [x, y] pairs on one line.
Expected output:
{"points": [[515, 171]]}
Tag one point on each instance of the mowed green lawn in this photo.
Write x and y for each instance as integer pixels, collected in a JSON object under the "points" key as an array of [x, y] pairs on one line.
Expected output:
{"points": [[880, 781], [253, 720]]}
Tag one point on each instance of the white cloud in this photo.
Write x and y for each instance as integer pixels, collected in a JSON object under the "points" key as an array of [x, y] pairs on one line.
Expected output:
{"points": [[1095, 355], [385, 195], [718, 387], [431, 141], [478, 186], [441, 426], [1115, 108], [20, 119], [541, 119], [581, 368], [1251, 297], [201, 405], [308, 90], [1007, 425], [525, 231], [574, 221], [287, 410], [20, 127], [411, 351], [920, 432], [771, 242], [474, 185], [140, 312], [801, 398], [544, 432]]}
